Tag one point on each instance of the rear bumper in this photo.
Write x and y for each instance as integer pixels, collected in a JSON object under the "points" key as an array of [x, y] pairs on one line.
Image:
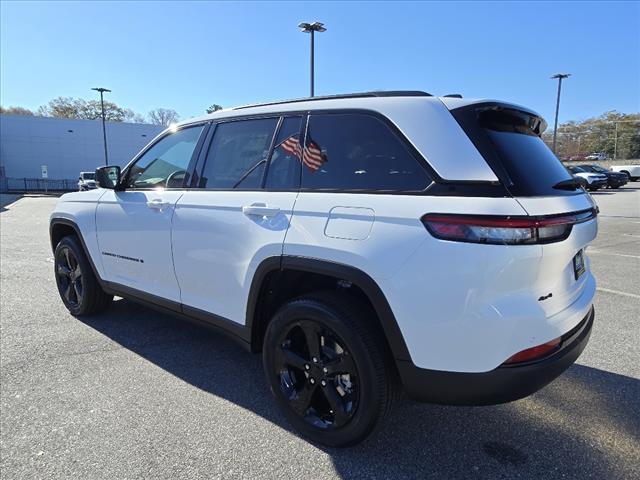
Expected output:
{"points": [[504, 384]]}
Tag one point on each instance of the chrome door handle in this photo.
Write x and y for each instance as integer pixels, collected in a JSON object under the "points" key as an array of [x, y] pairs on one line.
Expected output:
{"points": [[260, 209], [157, 203]]}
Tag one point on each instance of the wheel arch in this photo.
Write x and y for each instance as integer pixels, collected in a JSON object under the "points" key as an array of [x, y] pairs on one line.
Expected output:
{"points": [[62, 227], [271, 269]]}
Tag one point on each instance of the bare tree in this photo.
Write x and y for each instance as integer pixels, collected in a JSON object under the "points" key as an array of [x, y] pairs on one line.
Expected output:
{"points": [[163, 116]]}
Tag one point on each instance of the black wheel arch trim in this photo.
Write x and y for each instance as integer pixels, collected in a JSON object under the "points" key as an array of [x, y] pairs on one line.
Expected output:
{"points": [[70, 223], [351, 274]]}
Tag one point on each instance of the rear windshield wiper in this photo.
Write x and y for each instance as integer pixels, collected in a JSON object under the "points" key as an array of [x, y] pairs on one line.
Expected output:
{"points": [[569, 184]]}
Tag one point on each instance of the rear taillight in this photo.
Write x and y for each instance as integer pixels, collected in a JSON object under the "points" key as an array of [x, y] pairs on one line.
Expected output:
{"points": [[534, 353], [503, 230]]}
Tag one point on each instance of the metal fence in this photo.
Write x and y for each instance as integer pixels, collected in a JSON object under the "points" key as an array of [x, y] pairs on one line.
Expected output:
{"points": [[8, 184]]}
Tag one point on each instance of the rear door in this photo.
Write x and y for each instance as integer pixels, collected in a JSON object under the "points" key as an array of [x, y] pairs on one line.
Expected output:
{"points": [[357, 205], [238, 213]]}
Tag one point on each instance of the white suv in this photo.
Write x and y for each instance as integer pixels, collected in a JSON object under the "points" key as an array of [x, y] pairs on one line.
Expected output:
{"points": [[362, 243]]}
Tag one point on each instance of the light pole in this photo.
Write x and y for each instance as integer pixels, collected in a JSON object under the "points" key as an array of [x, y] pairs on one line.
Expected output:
{"points": [[104, 130], [559, 76], [312, 28]]}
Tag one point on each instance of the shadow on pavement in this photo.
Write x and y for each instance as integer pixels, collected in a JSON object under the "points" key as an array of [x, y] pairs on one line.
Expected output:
{"points": [[7, 199], [586, 424]]}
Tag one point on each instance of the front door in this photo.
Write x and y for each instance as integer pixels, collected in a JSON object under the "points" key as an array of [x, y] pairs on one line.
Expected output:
{"points": [[134, 225]]}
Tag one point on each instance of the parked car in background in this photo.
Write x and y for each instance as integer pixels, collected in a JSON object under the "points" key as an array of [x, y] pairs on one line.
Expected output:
{"points": [[87, 181], [595, 181], [361, 242], [632, 171], [581, 181], [580, 157], [598, 157], [614, 179]]}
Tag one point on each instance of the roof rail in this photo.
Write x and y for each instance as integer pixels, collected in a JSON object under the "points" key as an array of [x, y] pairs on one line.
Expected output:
{"points": [[453, 95], [389, 93]]}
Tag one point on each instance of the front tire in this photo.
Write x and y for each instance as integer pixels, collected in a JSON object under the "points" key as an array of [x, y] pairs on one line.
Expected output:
{"points": [[328, 369], [77, 284]]}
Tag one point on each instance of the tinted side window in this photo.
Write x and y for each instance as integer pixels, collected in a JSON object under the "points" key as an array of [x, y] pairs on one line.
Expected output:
{"points": [[166, 162], [284, 167], [357, 152], [238, 154]]}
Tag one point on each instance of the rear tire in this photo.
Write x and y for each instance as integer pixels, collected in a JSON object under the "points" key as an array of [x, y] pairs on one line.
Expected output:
{"points": [[328, 368], [77, 284]]}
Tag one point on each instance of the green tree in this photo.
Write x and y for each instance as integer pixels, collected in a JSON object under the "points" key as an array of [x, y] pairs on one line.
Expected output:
{"points": [[62, 107], [68, 107], [214, 108], [613, 133], [15, 111]]}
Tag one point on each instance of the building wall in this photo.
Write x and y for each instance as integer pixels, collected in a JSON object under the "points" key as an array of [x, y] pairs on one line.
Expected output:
{"points": [[66, 146]]}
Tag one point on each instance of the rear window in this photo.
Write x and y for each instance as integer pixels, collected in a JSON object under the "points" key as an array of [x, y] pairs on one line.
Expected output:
{"points": [[510, 141], [357, 151]]}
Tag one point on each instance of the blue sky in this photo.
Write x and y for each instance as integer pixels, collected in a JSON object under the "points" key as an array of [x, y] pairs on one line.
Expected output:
{"points": [[188, 55]]}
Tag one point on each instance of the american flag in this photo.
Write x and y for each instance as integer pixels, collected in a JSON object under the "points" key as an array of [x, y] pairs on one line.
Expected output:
{"points": [[312, 155]]}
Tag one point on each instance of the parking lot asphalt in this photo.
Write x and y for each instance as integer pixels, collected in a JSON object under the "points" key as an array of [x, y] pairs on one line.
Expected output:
{"points": [[133, 393]]}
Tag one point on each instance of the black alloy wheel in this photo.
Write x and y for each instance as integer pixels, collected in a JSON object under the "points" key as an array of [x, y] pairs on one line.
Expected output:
{"points": [[317, 375], [69, 276], [77, 284], [328, 367]]}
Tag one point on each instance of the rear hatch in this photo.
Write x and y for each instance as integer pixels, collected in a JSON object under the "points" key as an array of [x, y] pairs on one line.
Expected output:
{"points": [[509, 138]]}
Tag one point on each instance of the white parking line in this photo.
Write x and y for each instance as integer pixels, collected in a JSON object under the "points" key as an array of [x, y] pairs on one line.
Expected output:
{"points": [[600, 252], [616, 292]]}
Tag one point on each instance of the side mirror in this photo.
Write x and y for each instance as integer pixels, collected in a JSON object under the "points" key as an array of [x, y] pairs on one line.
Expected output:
{"points": [[108, 177]]}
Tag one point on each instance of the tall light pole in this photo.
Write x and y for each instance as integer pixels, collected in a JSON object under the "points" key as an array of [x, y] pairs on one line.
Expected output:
{"points": [[559, 76], [104, 130], [312, 28]]}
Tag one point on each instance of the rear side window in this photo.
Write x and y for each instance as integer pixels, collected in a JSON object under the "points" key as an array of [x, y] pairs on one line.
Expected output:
{"points": [[238, 154], [510, 141], [357, 152]]}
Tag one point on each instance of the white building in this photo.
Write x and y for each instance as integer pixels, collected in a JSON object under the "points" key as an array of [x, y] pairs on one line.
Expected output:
{"points": [[66, 146]]}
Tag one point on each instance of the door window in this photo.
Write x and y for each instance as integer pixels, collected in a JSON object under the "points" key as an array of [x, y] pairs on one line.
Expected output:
{"points": [[165, 164], [238, 154], [284, 167], [358, 152]]}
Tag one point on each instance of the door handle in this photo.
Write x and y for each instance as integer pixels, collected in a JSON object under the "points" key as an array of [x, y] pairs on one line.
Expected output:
{"points": [[157, 204], [260, 209]]}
